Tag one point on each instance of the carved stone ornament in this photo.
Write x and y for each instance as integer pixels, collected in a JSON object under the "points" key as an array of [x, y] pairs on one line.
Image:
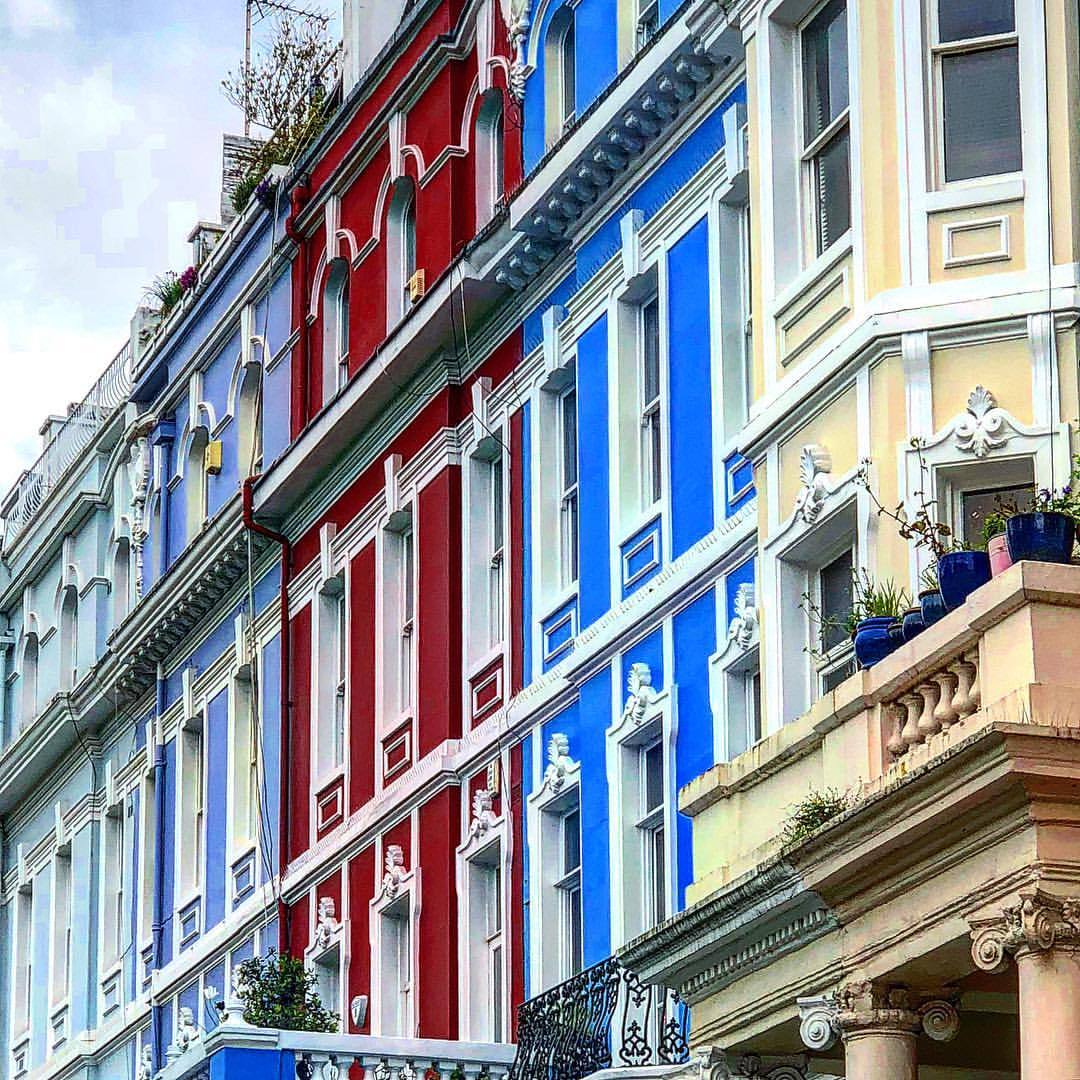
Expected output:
{"points": [[639, 687], [1039, 922], [145, 1070], [395, 871], [754, 1067], [744, 624], [517, 17], [981, 428], [483, 816], [815, 464], [862, 1005], [559, 762], [139, 479], [326, 925]]}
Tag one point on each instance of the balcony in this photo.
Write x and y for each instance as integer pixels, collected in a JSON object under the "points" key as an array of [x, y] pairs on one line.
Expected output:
{"points": [[602, 1018], [237, 1051], [955, 764], [65, 440]]}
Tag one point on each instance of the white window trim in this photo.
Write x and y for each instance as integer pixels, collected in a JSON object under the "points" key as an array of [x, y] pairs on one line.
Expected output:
{"points": [[191, 835], [646, 717], [401, 518], [330, 687], [405, 889], [483, 837], [740, 649], [558, 791]]}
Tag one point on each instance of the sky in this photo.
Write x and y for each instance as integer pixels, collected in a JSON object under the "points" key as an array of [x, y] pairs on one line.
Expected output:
{"points": [[111, 119]]}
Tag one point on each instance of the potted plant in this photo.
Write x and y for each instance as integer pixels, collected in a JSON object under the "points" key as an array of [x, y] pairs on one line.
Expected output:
{"points": [[930, 603], [993, 530], [1046, 532], [960, 571], [878, 607]]}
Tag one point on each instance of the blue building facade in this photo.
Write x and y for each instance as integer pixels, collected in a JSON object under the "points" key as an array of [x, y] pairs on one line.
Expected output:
{"points": [[139, 772]]}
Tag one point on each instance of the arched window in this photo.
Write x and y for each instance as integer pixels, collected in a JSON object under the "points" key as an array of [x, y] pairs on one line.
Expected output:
{"points": [[489, 156], [69, 637], [28, 676], [400, 251], [121, 580], [195, 483], [335, 328], [560, 74], [249, 419]]}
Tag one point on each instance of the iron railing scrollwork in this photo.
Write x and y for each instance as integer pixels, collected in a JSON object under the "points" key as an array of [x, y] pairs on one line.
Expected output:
{"points": [[601, 1017]]}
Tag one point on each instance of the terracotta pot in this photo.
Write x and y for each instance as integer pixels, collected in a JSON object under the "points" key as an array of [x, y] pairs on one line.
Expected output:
{"points": [[998, 550]]}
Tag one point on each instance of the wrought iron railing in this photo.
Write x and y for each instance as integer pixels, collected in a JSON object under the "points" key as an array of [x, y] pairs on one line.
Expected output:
{"points": [[66, 442], [603, 1017]]}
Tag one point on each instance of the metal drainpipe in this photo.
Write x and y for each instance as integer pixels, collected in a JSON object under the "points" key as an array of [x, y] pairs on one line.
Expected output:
{"points": [[285, 737], [158, 927]]}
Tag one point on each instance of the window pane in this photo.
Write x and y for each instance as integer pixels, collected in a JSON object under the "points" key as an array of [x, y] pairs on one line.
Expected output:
{"points": [[975, 505], [650, 351], [407, 573], [836, 599], [569, 434], [496, 505], [571, 842], [832, 180], [574, 904], [569, 64], [659, 897], [982, 113], [755, 704], [496, 993], [497, 176], [961, 19], [656, 484], [825, 68], [654, 777]]}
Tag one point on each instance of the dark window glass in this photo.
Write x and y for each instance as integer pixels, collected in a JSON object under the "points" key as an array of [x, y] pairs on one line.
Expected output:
{"points": [[571, 842], [836, 600], [659, 897], [982, 113], [832, 181], [825, 67], [651, 348], [574, 917], [569, 433], [497, 528], [835, 677], [975, 505], [654, 778], [959, 20], [569, 72]]}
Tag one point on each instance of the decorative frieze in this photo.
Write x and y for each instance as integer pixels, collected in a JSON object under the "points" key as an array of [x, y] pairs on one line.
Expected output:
{"points": [[1040, 921]]}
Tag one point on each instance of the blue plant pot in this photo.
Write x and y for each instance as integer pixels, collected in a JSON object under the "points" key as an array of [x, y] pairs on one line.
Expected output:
{"points": [[932, 606], [1041, 537], [913, 624], [873, 642], [896, 633], [960, 573]]}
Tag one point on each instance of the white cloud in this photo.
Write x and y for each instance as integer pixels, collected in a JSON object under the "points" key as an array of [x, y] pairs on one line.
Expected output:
{"points": [[27, 17]]}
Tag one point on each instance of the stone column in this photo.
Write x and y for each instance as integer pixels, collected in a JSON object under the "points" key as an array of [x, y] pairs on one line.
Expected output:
{"points": [[1042, 934], [879, 1026]]}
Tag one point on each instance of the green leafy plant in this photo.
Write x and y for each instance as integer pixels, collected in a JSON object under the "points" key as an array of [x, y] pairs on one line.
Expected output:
{"points": [[277, 991], [815, 809], [928, 579], [869, 600], [921, 527], [994, 522], [167, 290]]}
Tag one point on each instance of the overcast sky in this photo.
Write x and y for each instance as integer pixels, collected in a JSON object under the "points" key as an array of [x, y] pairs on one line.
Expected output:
{"points": [[111, 117]]}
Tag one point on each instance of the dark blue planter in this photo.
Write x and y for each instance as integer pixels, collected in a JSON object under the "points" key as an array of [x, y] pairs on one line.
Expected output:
{"points": [[1041, 537], [913, 623], [873, 641], [896, 633], [960, 573], [932, 607]]}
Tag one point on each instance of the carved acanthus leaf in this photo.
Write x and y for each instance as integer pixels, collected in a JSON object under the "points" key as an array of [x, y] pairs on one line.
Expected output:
{"points": [[815, 464], [744, 624], [640, 693], [982, 428]]}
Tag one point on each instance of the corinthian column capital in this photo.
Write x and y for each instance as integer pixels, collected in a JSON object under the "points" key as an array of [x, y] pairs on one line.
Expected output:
{"points": [[1038, 922]]}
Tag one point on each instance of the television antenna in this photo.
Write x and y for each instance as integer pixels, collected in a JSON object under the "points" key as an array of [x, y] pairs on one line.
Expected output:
{"points": [[254, 12]]}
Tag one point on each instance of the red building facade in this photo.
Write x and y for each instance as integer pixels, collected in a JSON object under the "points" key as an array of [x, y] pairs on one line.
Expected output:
{"points": [[402, 806]]}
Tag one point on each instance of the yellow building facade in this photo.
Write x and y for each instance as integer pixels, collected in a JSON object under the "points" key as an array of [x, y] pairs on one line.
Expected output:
{"points": [[914, 172]]}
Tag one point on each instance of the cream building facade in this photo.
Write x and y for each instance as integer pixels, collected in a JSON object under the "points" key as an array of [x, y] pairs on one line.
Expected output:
{"points": [[914, 167]]}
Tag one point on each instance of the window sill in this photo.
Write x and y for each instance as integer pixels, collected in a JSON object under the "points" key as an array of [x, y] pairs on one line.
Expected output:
{"points": [[809, 276], [967, 193]]}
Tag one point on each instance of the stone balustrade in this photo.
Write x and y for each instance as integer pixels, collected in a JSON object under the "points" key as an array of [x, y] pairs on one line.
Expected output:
{"points": [[938, 701]]}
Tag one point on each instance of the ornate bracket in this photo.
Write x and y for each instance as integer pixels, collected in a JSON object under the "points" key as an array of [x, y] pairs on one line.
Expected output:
{"points": [[744, 624], [1038, 922], [559, 762], [639, 687], [483, 816], [981, 428], [395, 871], [326, 925], [815, 464]]}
